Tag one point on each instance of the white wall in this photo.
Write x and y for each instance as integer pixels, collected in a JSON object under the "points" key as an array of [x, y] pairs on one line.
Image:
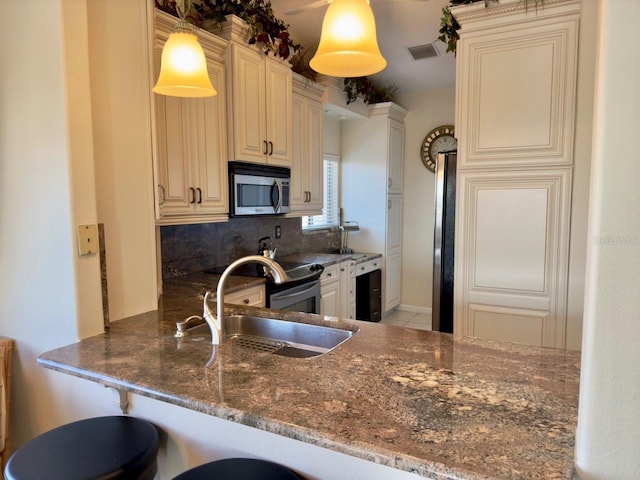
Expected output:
{"points": [[581, 173], [121, 104], [427, 110], [609, 415], [45, 188]]}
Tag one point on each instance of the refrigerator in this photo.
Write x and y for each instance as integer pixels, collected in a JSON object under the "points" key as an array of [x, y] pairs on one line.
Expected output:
{"points": [[443, 242]]}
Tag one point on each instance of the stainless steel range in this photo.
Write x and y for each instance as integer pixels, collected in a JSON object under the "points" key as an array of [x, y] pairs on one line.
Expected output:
{"points": [[300, 294]]}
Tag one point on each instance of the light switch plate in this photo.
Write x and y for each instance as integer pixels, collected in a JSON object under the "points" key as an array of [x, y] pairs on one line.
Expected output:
{"points": [[87, 239]]}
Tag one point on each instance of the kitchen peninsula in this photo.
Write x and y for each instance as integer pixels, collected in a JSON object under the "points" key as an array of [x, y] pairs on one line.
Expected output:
{"points": [[418, 401]]}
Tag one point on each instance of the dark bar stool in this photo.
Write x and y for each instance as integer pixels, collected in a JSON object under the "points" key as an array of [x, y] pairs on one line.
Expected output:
{"points": [[239, 469], [104, 448]]}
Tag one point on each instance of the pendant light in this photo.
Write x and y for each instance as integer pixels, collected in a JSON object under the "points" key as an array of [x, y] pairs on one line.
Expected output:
{"points": [[183, 67], [348, 45]]}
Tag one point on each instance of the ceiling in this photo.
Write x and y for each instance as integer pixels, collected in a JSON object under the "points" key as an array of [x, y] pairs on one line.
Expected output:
{"points": [[400, 24]]}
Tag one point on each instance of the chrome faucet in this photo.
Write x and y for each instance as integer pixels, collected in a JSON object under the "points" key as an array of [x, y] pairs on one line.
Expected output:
{"points": [[216, 323]]}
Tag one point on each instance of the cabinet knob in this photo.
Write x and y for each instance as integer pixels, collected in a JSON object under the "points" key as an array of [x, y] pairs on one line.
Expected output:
{"points": [[246, 301]]}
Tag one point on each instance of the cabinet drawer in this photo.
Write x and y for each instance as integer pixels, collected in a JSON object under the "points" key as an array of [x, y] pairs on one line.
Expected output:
{"points": [[330, 274], [368, 266], [253, 296]]}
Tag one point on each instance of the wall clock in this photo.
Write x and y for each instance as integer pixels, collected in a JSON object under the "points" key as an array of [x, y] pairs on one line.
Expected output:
{"points": [[440, 139]]}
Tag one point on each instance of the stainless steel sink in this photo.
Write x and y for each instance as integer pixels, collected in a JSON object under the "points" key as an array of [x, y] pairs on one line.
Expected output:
{"points": [[289, 339]]}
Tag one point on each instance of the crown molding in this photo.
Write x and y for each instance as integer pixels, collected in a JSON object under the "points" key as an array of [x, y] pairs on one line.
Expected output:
{"points": [[476, 15]]}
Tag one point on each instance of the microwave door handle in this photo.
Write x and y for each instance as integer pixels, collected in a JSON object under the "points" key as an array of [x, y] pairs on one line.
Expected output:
{"points": [[276, 202]]}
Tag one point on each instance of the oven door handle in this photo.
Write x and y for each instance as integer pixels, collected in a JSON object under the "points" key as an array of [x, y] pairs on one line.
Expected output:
{"points": [[276, 202], [294, 294]]}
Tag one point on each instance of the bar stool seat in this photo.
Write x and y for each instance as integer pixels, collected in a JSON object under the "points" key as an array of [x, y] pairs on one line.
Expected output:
{"points": [[239, 469], [102, 448]]}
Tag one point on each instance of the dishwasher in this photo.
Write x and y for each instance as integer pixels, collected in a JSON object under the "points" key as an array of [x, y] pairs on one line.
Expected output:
{"points": [[369, 295]]}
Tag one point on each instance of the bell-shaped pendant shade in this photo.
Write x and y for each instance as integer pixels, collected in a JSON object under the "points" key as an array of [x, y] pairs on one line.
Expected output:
{"points": [[183, 68], [348, 44]]}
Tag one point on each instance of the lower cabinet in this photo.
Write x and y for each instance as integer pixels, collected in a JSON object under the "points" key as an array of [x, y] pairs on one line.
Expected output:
{"points": [[348, 289], [330, 291], [252, 296]]}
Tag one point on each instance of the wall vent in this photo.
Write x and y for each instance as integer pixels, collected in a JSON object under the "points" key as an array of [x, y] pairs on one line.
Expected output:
{"points": [[423, 51]]}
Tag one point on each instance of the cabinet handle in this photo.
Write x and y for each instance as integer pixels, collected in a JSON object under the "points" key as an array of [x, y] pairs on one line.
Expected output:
{"points": [[270, 148], [163, 195], [193, 195], [389, 204], [266, 147], [199, 194], [390, 182]]}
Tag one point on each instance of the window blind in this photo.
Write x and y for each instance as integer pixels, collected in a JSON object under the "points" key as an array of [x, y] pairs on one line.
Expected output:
{"points": [[330, 210]]}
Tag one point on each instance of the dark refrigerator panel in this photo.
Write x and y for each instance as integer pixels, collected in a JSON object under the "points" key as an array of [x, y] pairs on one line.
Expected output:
{"points": [[443, 242]]}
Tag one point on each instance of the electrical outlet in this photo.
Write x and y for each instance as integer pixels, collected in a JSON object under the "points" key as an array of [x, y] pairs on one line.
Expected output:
{"points": [[278, 231], [87, 239]]}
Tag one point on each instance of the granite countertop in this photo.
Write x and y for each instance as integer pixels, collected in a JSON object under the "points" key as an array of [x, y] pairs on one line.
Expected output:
{"points": [[415, 400], [327, 259]]}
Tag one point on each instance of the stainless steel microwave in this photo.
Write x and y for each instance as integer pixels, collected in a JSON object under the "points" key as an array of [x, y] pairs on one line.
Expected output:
{"points": [[256, 189]]}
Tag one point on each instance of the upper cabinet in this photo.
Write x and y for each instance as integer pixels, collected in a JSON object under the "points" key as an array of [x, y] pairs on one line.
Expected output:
{"points": [[259, 107], [395, 155], [306, 194], [191, 141], [516, 84]]}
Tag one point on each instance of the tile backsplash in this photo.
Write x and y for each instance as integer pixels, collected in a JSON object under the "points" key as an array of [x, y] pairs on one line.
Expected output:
{"points": [[193, 248]]}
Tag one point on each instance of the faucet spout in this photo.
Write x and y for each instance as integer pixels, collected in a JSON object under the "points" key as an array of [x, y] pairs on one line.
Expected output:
{"points": [[216, 322]]}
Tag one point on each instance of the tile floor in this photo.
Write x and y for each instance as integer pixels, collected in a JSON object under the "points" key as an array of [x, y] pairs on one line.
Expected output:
{"points": [[403, 318]]}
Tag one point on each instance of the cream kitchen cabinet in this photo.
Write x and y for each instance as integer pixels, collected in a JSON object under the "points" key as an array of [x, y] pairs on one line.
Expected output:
{"points": [[330, 298], [252, 296], [306, 191], [260, 127], [515, 113], [371, 190], [348, 289], [190, 142]]}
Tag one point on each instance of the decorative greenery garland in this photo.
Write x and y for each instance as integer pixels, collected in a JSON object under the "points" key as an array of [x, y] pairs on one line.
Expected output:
{"points": [[449, 26], [265, 29]]}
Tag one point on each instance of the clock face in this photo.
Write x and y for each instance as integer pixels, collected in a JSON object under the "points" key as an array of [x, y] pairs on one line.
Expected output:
{"points": [[438, 140]]}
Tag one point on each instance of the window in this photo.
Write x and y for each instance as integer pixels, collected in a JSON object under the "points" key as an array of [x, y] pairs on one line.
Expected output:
{"points": [[330, 211]]}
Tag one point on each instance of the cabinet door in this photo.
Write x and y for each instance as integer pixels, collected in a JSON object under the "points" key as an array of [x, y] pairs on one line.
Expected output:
{"points": [[208, 120], [393, 270], [248, 100], [175, 196], [279, 125], [314, 162], [307, 173], [347, 290], [297, 190], [330, 299], [395, 156]]}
